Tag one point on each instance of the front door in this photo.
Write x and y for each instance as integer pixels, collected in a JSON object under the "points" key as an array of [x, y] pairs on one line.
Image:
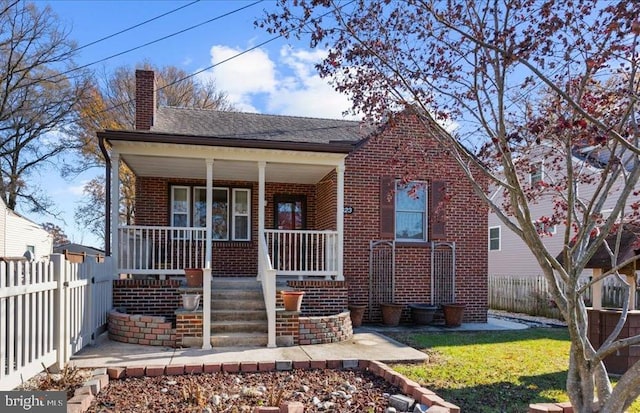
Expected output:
{"points": [[290, 214]]}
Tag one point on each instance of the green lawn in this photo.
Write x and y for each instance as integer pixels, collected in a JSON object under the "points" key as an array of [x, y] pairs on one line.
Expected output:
{"points": [[493, 371]]}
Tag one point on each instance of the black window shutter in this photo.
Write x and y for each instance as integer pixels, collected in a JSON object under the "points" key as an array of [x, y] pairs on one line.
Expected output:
{"points": [[387, 207], [437, 211]]}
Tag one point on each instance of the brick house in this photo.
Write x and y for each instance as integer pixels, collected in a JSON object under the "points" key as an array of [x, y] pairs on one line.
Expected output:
{"points": [[309, 200]]}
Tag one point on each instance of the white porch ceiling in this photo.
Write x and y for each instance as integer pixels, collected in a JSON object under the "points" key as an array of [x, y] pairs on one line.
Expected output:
{"points": [[191, 168]]}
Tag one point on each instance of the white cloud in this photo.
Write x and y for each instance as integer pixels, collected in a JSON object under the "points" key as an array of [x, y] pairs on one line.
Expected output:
{"points": [[289, 85], [77, 190]]}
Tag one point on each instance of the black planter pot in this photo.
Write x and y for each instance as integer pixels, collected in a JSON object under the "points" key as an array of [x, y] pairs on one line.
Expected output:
{"points": [[422, 313]]}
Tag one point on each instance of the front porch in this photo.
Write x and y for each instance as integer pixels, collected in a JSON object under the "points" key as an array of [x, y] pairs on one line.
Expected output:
{"points": [[210, 207]]}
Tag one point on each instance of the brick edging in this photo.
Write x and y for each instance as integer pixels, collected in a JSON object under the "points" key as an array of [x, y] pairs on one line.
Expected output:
{"points": [[100, 379]]}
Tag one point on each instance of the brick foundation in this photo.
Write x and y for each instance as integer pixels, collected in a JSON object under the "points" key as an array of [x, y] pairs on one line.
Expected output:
{"points": [[140, 329], [328, 329], [147, 297], [188, 324], [293, 329], [322, 297]]}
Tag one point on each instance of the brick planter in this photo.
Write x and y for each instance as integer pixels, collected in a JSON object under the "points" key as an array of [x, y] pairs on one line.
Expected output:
{"points": [[140, 329]]}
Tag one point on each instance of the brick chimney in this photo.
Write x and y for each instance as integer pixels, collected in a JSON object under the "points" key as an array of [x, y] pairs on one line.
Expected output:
{"points": [[145, 99]]}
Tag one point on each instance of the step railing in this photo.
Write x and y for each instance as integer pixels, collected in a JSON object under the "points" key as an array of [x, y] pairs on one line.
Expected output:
{"points": [[267, 278]]}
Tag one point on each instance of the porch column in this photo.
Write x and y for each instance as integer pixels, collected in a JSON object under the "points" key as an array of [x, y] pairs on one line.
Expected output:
{"points": [[340, 221], [206, 282], [115, 207], [261, 206]]}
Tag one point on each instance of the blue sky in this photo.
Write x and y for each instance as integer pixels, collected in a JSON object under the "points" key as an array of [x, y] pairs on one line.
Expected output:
{"points": [[277, 78]]}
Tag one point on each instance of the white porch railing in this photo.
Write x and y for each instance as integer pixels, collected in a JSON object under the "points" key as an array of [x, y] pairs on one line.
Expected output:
{"points": [[303, 252], [160, 250]]}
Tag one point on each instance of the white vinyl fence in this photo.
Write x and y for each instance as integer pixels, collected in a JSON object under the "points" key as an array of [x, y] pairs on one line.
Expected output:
{"points": [[48, 312]]}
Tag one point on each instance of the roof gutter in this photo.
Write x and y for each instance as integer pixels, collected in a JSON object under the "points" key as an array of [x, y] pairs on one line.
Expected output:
{"points": [[154, 137], [107, 198]]}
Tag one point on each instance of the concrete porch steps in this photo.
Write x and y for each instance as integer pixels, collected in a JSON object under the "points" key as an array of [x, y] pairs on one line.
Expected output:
{"points": [[238, 314]]}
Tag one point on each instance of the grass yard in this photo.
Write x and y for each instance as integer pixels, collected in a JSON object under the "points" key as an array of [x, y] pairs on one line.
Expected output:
{"points": [[497, 371]]}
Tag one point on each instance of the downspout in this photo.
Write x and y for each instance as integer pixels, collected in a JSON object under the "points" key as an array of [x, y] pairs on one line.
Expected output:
{"points": [[107, 197]]}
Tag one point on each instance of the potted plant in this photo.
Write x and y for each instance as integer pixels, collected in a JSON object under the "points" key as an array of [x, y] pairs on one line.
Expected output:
{"points": [[422, 313], [193, 276], [292, 299], [391, 313], [453, 314], [356, 312]]}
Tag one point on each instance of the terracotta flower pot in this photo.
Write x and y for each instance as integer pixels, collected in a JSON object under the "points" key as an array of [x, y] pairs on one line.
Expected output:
{"points": [[453, 314], [292, 300], [194, 277], [391, 313], [356, 312]]}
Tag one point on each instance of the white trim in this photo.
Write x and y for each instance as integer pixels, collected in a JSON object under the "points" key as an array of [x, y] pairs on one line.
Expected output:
{"points": [[425, 212], [235, 214], [115, 206], [340, 221], [225, 153], [188, 201], [499, 228]]}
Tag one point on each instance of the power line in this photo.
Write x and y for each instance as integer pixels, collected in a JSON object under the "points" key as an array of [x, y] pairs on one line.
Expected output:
{"points": [[210, 66], [135, 26], [156, 40]]}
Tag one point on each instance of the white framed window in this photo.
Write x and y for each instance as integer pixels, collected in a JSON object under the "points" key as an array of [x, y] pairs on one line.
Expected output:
{"points": [[180, 210], [537, 173], [189, 209], [180, 206], [241, 214], [411, 211], [494, 238], [544, 228]]}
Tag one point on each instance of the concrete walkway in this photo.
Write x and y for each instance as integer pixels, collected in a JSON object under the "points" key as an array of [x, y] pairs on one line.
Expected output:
{"points": [[367, 343]]}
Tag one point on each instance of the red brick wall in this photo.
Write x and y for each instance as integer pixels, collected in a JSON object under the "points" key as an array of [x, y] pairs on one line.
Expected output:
{"points": [[288, 325], [145, 99], [139, 329], [231, 258], [188, 324], [147, 297], [326, 197], [419, 158], [321, 298], [320, 330]]}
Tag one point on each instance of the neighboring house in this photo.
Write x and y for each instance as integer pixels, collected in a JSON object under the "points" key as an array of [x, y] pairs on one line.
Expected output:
{"points": [[78, 252], [318, 192], [508, 254], [19, 235]]}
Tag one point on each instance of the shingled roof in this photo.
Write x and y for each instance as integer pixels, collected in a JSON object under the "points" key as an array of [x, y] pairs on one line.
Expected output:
{"points": [[254, 126]]}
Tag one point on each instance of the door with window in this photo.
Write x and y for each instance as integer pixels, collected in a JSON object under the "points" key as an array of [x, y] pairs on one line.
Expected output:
{"points": [[290, 213]]}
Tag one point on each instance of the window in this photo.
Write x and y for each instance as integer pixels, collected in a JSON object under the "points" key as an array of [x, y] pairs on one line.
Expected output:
{"points": [[544, 228], [494, 239], [241, 210], [189, 209], [180, 206], [220, 214], [411, 211], [536, 174]]}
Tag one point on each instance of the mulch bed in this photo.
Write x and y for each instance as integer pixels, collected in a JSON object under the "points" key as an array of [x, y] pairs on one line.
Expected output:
{"points": [[319, 390]]}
